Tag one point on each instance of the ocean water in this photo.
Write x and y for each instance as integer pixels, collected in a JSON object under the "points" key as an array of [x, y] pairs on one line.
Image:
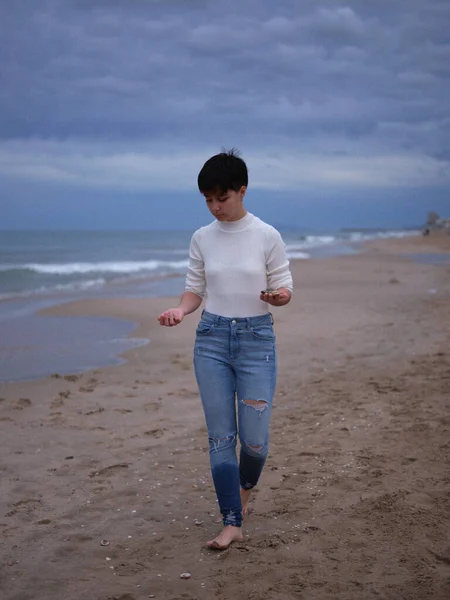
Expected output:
{"points": [[45, 263], [32, 347], [40, 263], [436, 259], [41, 269]]}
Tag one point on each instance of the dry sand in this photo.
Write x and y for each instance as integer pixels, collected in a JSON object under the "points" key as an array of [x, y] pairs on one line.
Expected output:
{"points": [[354, 502]]}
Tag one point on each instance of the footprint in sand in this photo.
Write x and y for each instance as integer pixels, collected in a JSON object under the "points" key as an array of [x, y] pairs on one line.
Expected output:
{"points": [[80, 537], [27, 505], [59, 401], [72, 377], [180, 360], [90, 387], [107, 471], [22, 403], [56, 418], [443, 558], [157, 433], [186, 393], [95, 411], [155, 404]]}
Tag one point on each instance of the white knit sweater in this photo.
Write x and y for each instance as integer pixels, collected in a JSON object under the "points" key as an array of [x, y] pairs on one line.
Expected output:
{"points": [[230, 263]]}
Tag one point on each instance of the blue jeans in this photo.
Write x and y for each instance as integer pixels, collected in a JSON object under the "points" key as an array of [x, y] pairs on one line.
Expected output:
{"points": [[236, 358]]}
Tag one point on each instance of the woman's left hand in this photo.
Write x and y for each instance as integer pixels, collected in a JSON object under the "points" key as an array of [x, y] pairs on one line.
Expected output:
{"points": [[276, 297]]}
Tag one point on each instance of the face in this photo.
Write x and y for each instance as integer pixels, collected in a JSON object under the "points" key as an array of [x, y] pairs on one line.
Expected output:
{"points": [[227, 206]]}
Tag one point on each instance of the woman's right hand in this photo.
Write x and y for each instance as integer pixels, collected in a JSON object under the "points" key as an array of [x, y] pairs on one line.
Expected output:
{"points": [[171, 317]]}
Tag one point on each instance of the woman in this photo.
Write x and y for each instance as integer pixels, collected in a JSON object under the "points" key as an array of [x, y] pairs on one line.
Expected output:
{"points": [[238, 265]]}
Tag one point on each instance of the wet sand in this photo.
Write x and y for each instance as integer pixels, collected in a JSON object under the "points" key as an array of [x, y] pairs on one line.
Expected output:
{"points": [[354, 502]]}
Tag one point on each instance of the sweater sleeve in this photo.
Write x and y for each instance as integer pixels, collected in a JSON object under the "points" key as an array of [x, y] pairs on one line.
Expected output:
{"points": [[277, 265], [195, 277]]}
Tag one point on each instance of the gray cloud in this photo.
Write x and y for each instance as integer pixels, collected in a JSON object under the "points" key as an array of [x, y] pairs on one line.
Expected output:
{"points": [[359, 78]]}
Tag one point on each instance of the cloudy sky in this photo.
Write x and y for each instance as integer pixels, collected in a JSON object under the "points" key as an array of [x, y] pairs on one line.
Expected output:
{"points": [[109, 108]]}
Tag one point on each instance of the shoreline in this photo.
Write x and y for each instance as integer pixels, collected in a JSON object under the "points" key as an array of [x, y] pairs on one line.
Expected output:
{"points": [[129, 285], [408, 247], [355, 495], [399, 248], [437, 242]]}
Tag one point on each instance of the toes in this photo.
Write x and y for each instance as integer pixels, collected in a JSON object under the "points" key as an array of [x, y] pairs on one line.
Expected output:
{"points": [[214, 545]]}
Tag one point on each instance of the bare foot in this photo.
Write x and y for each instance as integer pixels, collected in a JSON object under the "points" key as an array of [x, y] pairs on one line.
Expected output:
{"points": [[245, 498], [227, 536]]}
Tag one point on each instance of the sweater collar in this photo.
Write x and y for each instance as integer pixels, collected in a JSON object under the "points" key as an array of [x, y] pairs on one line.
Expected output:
{"points": [[235, 226]]}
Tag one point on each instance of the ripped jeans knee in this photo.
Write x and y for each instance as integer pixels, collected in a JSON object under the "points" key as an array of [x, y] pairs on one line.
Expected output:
{"points": [[254, 435], [258, 405], [221, 444], [254, 449]]}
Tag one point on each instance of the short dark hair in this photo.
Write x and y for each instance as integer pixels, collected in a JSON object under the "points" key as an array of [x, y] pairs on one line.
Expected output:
{"points": [[222, 172]]}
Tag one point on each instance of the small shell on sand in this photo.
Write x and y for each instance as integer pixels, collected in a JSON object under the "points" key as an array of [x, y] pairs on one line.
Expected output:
{"points": [[185, 575]]}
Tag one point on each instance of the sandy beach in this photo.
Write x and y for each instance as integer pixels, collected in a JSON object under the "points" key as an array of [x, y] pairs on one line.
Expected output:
{"points": [[105, 485]]}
